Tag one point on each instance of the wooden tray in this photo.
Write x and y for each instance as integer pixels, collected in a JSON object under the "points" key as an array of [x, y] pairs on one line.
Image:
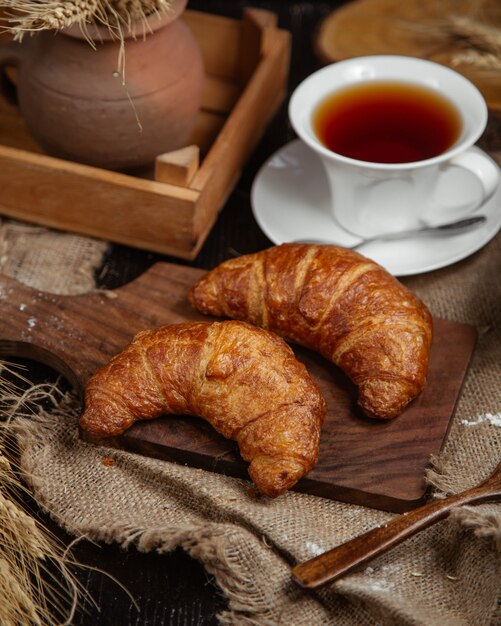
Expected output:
{"points": [[246, 65], [413, 28], [378, 464]]}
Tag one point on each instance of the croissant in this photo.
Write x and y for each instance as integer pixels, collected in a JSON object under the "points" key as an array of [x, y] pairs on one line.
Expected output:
{"points": [[334, 301], [245, 381]]}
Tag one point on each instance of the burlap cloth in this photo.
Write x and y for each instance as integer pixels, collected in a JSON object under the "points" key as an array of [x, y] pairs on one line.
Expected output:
{"points": [[447, 575]]}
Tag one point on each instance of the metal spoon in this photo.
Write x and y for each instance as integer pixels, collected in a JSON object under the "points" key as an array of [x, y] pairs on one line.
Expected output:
{"points": [[453, 228]]}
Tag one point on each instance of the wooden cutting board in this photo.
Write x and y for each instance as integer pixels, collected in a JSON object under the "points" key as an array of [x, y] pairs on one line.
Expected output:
{"points": [[378, 464]]}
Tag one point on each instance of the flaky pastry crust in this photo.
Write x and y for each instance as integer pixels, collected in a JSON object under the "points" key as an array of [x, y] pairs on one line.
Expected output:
{"points": [[334, 301], [243, 380]]}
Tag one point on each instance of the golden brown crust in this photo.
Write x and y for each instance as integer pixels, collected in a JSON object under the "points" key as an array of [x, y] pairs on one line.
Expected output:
{"points": [[334, 301], [243, 380]]}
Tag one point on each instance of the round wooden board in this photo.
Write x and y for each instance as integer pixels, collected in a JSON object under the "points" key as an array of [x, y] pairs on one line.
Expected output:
{"points": [[410, 27]]}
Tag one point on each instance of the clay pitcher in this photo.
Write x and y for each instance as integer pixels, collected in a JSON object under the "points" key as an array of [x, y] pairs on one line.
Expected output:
{"points": [[80, 106]]}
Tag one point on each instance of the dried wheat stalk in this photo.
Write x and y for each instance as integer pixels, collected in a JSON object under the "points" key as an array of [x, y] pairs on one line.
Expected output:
{"points": [[36, 585], [47, 15], [481, 42], [475, 35], [29, 16]]}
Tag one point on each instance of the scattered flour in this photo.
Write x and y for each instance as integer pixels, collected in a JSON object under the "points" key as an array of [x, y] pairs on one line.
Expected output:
{"points": [[377, 578], [314, 548], [495, 420], [381, 585], [32, 322]]}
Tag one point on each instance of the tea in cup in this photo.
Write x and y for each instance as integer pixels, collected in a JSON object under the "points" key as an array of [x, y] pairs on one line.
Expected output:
{"points": [[388, 129]]}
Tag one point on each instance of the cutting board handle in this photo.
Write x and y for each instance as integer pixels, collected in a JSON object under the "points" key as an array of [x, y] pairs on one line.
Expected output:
{"points": [[77, 334]]}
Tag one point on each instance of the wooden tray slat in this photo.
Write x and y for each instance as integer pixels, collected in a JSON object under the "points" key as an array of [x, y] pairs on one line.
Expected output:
{"points": [[220, 40], [172, 220], [220, 96]]}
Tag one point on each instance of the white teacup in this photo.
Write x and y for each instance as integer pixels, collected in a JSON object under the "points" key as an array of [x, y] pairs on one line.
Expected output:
{"points": [[370, 198]]}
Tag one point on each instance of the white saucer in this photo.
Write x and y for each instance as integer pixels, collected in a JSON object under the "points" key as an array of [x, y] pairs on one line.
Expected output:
{"points": [[290, 201]]}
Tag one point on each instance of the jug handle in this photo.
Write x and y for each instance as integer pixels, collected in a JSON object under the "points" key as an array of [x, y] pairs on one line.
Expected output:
{"points": [[11, 54]]}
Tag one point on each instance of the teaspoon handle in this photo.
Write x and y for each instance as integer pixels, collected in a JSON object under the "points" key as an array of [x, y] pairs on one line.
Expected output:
{"points": [[454, 228], [334, 563], [464, 224]]}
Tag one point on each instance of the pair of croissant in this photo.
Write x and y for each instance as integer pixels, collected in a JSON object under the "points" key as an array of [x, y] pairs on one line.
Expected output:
{"points": [[246, 381]]}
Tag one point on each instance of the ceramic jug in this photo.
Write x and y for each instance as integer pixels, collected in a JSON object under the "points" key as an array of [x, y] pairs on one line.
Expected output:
{"points": [[81, 104]]}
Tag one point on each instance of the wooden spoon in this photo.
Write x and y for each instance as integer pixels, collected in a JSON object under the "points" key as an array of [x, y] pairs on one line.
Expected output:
{"points": [[334, 563]]}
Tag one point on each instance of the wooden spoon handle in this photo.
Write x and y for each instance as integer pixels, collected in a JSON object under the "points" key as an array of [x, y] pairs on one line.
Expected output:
{"points": [[334, 563]]}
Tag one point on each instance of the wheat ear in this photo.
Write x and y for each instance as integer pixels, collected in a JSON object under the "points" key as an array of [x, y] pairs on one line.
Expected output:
{"points": [[36, 584]]}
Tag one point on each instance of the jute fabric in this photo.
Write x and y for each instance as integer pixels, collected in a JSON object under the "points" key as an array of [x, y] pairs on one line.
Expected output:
{"points": [[447, 575], [49, 260]]}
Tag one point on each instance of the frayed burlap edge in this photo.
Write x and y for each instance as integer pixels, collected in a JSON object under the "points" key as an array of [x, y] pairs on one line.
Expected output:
{"points": [[218, 546], [485, 524], [218, 549], [49, 260], [444, 470]]}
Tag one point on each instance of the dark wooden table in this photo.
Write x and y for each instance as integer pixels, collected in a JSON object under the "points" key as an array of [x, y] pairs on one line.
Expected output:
{"points": [[173, 589]]}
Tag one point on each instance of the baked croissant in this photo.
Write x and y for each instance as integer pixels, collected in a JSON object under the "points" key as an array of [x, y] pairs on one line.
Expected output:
{"points": [[334, 301], [245, 381]]}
